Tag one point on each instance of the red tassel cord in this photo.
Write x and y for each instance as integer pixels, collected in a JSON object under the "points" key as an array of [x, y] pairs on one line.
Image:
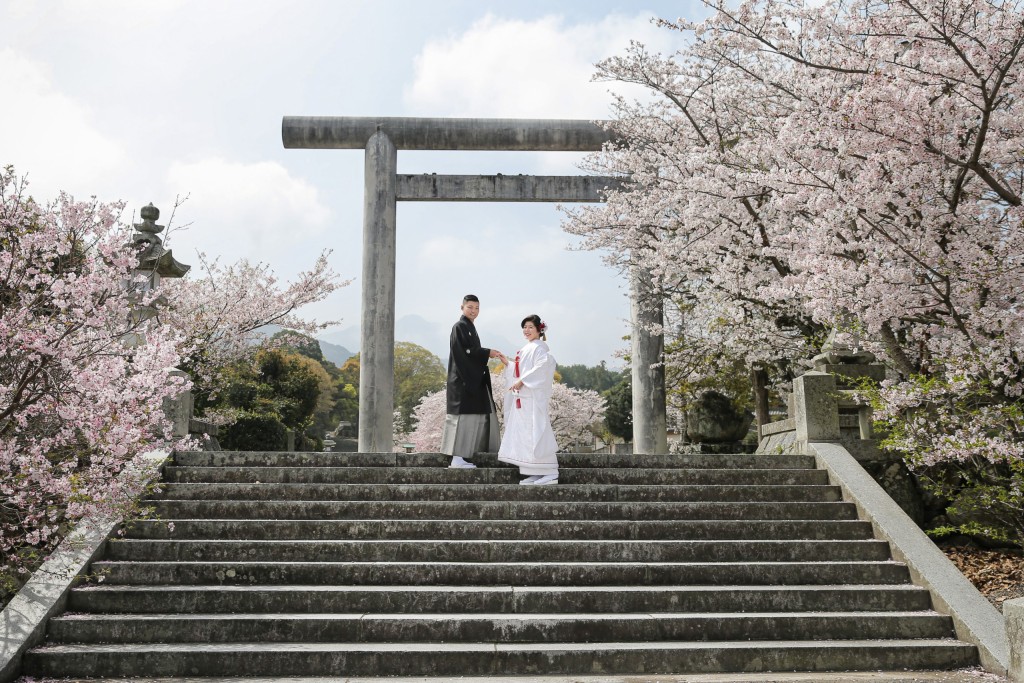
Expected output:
{"points": [[519, 404]]}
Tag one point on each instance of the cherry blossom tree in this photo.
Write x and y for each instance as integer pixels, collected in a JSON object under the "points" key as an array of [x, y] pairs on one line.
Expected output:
{"points": [[77, 407], [573, 412], [221, 311], [83, 379], [428, 417], [838, 165]]}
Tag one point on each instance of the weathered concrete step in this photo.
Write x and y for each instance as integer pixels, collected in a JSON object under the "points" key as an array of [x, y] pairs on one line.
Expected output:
{"points": [[495, 627], [743, 572], [312, 529], [478, 659], [968, 675], [444, 475], [599, 460], [484, 509], [499, 492], [498, 599], [497, 551]]}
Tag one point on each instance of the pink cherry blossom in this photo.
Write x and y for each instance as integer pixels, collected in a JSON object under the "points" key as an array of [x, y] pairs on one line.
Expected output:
{"points": [[79, 406], [573, 412], [842, 165]]}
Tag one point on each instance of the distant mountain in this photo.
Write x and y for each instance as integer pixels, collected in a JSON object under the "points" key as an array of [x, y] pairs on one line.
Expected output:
{"points": [[432, 336], [335, 353], [347, 337], [418, 330]]}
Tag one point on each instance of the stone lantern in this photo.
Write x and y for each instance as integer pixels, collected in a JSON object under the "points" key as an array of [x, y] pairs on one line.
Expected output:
{"points": [[156, 263]]}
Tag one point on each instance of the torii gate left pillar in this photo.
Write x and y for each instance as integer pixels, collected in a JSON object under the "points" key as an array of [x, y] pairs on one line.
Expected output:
{"points": [[381, 138]]}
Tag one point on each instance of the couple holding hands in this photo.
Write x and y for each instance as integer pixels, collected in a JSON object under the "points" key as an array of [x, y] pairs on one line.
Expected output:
{"points": [[471, 423]]}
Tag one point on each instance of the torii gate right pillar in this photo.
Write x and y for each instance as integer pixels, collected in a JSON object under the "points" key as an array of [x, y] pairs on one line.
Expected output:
{"points": [[647, 346]]}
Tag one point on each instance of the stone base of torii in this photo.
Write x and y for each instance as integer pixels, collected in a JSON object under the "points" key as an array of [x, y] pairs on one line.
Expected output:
{"points": [[381, 138]]}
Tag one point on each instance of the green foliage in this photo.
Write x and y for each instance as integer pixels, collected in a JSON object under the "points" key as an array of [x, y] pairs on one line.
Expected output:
{"points": [[618, 415], [255, 432], [958, 438], [985, 499], [695, 370], [279, 391], [339, 396], [302, 344], [598, 377], [418, 372], [294, 386], [346, 394]]}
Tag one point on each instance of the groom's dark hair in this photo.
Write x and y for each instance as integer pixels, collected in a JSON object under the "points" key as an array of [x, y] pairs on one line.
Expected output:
{"points": [[470, 297]]}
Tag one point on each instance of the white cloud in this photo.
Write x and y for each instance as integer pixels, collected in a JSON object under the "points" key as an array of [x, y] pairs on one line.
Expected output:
{"points": [[253, 210], [50, 136], [515, 68]]}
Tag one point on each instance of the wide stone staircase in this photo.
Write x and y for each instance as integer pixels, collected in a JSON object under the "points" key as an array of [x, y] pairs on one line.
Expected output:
{"points": [[331, 564]]}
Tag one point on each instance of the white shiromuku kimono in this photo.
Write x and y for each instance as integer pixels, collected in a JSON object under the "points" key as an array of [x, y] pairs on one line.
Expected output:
{"points": [[529, 442]]}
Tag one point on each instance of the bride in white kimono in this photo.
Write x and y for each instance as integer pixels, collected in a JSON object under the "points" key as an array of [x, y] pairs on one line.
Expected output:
{"points": [[529, 441]]}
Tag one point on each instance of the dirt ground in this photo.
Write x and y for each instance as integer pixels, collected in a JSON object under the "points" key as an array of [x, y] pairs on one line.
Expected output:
{"points": [[998, 574]]}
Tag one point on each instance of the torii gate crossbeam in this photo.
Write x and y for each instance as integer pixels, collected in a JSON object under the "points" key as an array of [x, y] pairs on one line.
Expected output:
{"points": [[381, 138]]}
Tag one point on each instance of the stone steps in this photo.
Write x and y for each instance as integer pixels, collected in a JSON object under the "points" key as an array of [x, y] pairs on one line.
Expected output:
{"points": [[260, 459], [591, 627], [193, 599], [490, 550], [955, 676], [481, 659], [320, 564], [498, 530], [564, 492], [423, 475], [501, 573], [486, 509]]}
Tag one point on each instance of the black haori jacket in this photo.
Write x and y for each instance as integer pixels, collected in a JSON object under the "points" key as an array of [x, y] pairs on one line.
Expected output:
{"points": [[469, 380]]}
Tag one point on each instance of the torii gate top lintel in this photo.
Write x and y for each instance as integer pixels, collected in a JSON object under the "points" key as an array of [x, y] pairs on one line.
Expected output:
{"points": [[412, 133]]}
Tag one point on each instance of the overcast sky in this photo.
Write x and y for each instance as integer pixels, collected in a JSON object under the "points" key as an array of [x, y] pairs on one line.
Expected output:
{"points": [[146, 100]]}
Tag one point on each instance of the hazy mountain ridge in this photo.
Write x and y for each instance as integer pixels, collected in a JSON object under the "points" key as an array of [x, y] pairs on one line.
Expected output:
{"points": [[335, 353], [432, 336]]}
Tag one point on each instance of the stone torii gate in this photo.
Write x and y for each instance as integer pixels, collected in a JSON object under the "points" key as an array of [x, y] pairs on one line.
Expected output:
{"points": [[381, 138]]}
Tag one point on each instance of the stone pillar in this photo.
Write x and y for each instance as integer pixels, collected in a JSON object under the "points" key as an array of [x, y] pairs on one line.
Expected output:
{"points": [[650, 434], [377, 345], [1013, 612], [816, 407], [179, 408]]}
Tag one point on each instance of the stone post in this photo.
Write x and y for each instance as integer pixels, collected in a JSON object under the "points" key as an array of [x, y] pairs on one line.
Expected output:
{"points": [[377, 345], [650, 433], [816, 407], [1013, 613], [156, 262]]}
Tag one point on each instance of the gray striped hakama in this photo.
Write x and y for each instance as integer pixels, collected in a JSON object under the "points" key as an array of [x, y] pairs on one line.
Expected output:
{"points": [[467, 435]]}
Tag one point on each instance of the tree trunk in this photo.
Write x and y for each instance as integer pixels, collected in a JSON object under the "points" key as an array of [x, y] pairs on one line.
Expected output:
{"points": [[759, 379]]}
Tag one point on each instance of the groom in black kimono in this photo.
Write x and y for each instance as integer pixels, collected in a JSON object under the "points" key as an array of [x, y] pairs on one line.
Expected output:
{"points": [[471, 425]]}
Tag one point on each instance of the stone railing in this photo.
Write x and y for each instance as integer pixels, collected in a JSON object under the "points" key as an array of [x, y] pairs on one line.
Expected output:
{"points": [[23, 621], [816, 428]]}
